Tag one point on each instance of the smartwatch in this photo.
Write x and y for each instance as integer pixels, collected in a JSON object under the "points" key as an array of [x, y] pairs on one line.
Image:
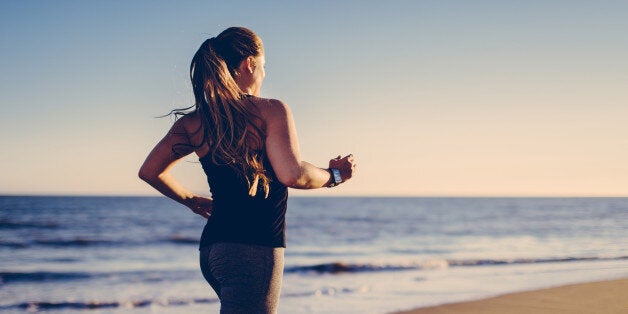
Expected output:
{"points": [[335, 174]]}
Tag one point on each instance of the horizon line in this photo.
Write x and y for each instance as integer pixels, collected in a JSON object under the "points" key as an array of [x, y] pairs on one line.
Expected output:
{"points": [[335, 196]]}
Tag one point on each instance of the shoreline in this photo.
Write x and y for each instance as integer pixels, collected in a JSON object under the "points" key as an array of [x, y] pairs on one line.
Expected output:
{"points": [[607, 296]]}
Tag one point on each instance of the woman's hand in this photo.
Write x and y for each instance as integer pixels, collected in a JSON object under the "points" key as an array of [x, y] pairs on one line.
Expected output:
{"points": [[200, 205], [346, 165]]}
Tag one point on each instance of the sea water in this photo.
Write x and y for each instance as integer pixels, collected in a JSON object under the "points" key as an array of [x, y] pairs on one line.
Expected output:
{"points": [[344, 255]]}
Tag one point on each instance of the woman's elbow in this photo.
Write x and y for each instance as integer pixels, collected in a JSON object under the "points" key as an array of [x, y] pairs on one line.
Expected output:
{"points": [[294, 179], [289, 180], [142, 175], [146, 175]]}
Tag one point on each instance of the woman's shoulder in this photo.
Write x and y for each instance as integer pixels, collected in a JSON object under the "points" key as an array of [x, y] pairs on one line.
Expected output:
{"points": [[272, 108], [188, 123]]}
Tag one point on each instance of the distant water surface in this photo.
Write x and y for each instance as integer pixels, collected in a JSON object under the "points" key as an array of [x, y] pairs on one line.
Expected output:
{"points": [[344, 255]]}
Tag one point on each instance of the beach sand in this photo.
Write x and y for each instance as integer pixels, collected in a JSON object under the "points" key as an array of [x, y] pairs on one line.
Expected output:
{"points": [[595, 297]]}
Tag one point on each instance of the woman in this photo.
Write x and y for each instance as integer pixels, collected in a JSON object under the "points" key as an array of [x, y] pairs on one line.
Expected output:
{"points": [[248, 148]]}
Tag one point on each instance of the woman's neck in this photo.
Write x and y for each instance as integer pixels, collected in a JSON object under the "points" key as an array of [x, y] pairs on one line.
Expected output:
{"points": [[250, 90]]}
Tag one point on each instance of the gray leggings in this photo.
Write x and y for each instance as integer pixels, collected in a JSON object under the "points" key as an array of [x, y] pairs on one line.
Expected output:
{"points": [[247, 278]]}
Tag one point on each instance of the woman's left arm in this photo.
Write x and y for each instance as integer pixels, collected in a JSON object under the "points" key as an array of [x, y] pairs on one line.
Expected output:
{"points": [[156, 169]]}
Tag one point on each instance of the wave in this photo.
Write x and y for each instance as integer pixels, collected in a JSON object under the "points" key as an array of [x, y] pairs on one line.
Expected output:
{"points": [[488, 262], [14, 245], [41, 276], [61, 260], [131, 276], [85, 242], [74, 242], [325, 268], [7, 224], [340, 267], [183, 240], [91, 305], [35, 306]]}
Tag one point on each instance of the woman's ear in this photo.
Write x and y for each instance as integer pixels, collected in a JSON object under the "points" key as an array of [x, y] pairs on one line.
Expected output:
{"points": [[247, 65], [242, 68], [250, 64]]}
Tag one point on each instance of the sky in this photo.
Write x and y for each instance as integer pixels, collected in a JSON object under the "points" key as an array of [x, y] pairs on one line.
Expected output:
{"points": [[434, 98]]}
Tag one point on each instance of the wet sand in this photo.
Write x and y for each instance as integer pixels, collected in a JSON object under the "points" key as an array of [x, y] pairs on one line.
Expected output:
{"points": [[594, 297]]}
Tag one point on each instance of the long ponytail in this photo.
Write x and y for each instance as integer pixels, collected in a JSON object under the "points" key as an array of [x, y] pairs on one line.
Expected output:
{"points": [[227, 123]]}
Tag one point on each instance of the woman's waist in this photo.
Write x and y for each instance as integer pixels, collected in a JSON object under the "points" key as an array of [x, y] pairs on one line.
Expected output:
{"points": [[229, 207], [238, 195]]}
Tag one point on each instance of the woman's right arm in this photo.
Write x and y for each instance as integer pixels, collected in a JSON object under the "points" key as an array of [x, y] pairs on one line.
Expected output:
{"points": [[156, 169], [282, 148]]}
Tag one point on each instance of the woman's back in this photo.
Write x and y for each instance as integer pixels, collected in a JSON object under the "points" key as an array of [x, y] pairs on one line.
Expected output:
{"points": [[279, 144], [237, 216]]}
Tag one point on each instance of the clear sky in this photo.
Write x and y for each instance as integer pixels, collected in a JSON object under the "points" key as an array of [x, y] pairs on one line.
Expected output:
{"points": [[434, 98]]}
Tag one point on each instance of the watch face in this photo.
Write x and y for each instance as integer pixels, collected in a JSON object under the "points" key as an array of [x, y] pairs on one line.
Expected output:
{"points": [[337, 177]]}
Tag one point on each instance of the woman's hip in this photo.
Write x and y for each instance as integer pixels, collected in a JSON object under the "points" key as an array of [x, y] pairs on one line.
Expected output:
{"points": [[244, 275]]}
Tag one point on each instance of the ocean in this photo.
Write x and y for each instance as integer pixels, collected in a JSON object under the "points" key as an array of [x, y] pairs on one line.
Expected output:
{"points": [[344, 255]]}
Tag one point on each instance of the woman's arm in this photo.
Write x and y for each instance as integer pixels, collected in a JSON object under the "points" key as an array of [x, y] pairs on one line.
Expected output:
{"points": [[282, 148], [156, 169]]}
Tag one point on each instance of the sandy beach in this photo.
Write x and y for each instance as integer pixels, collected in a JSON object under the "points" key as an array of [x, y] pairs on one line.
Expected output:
{"points": [[594, 297]]}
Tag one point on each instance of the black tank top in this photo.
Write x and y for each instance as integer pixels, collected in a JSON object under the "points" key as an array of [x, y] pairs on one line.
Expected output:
{"points": [[238, 217]]}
